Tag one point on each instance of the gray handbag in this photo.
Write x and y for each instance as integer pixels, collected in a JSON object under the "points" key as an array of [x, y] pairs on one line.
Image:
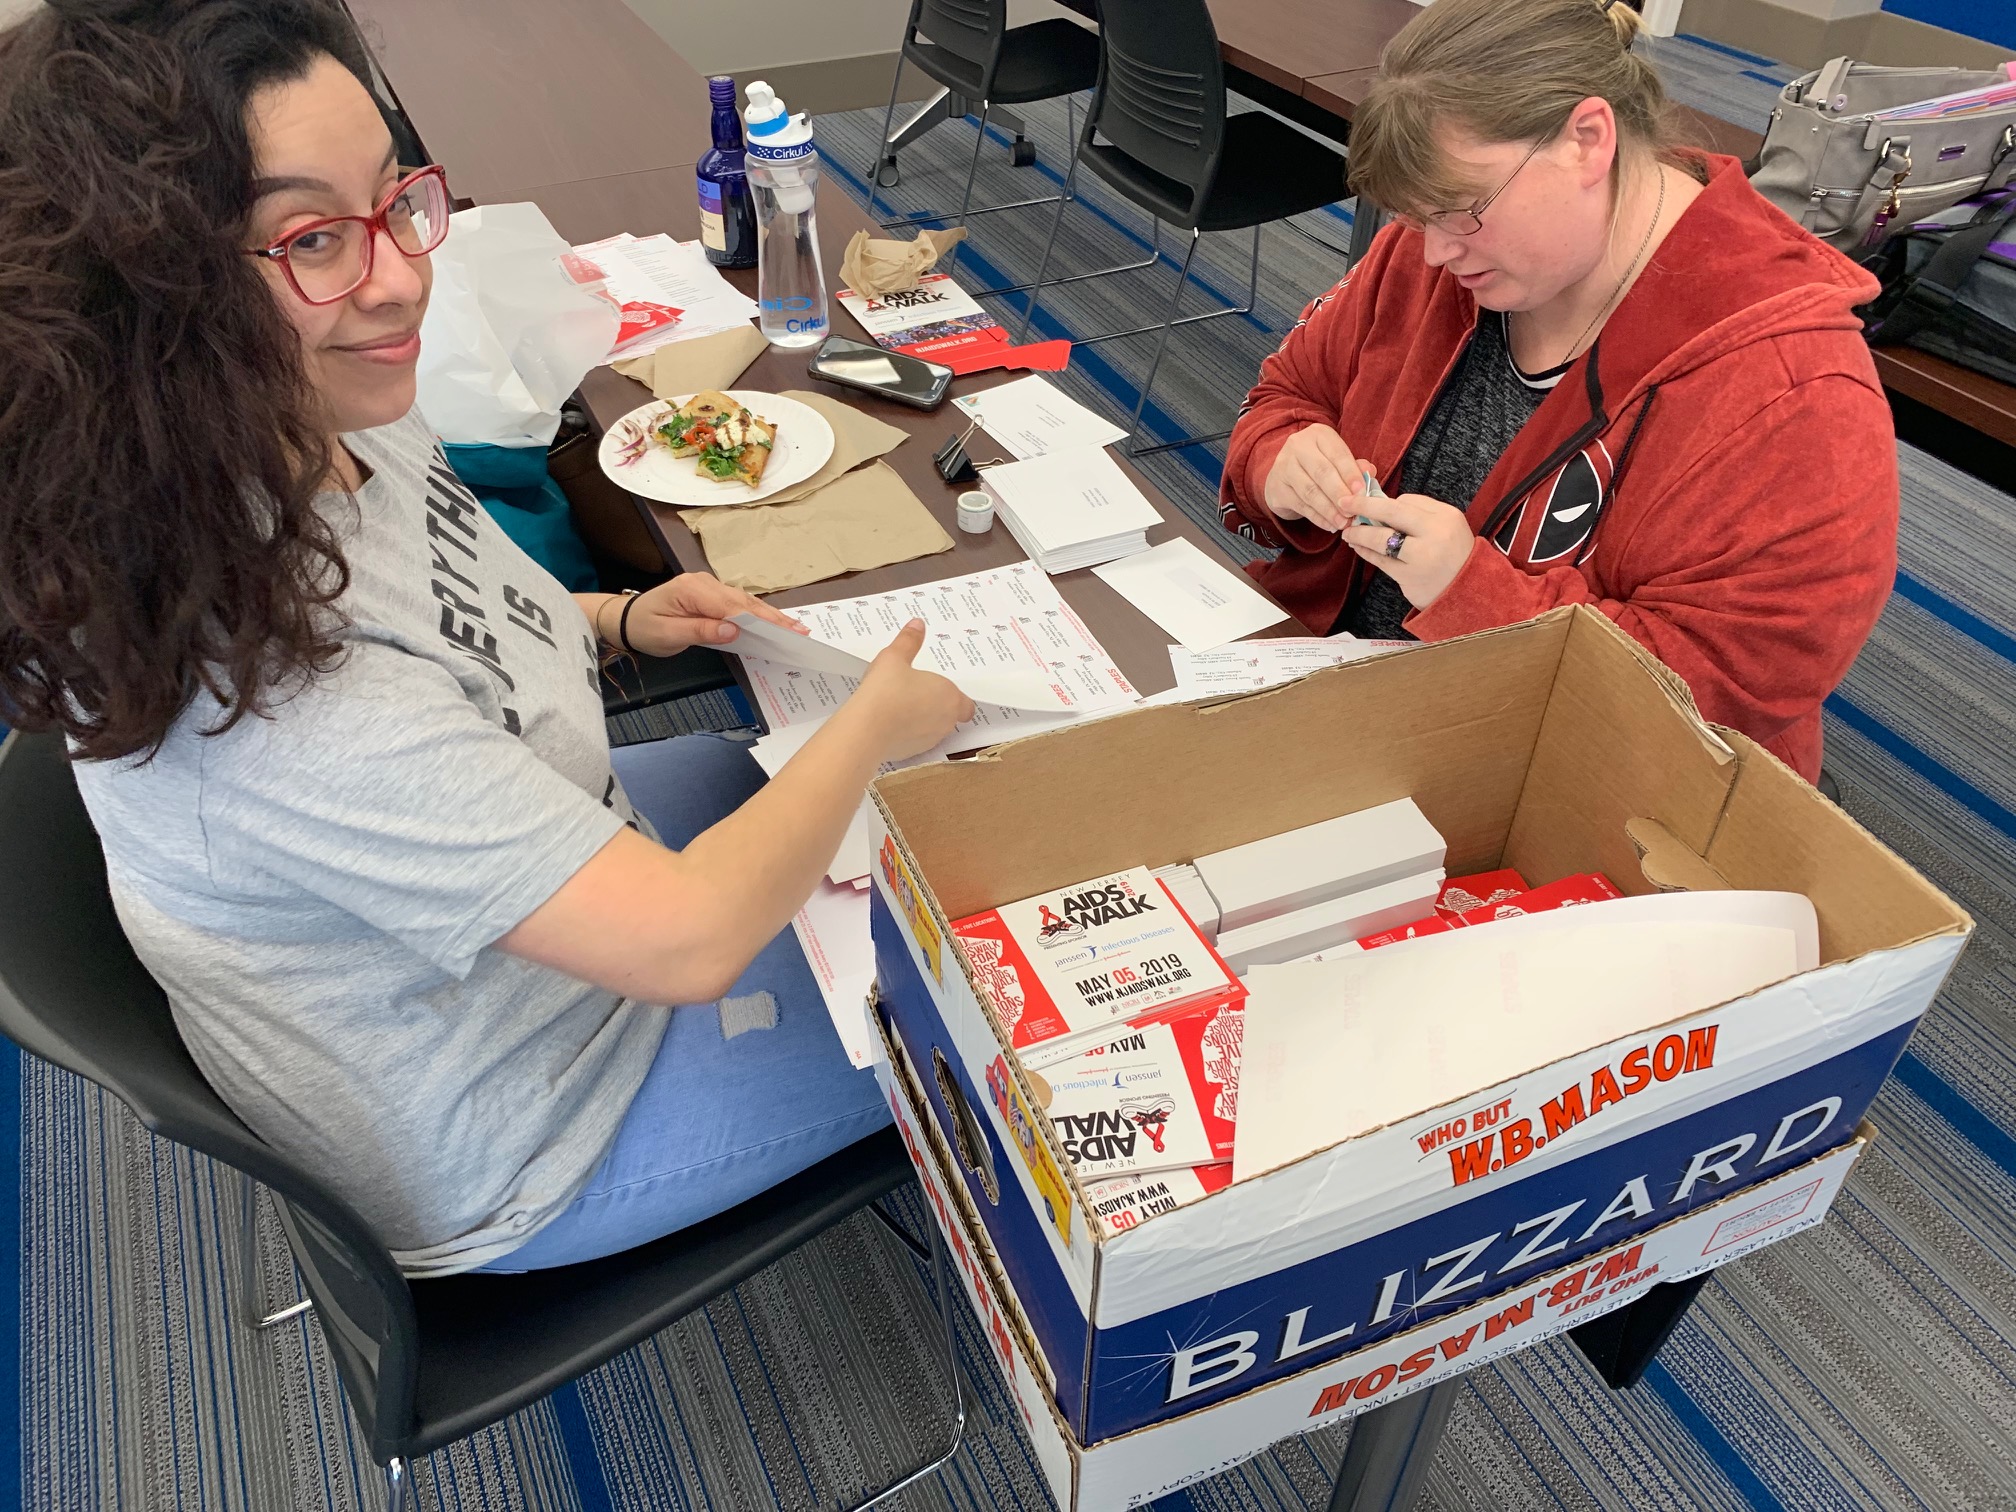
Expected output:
{"points": [[1837, 162]]}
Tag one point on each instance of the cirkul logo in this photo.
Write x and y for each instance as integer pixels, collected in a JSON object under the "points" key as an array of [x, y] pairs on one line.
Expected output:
{"points": [[793, 307]]}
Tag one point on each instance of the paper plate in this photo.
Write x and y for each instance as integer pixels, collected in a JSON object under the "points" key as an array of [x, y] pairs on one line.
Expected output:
{"points": [[804, 442]]}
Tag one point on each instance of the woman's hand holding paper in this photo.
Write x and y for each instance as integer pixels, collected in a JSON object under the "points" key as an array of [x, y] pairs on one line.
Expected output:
{"points": [[692, 609], [910, 710], [1316, 478]]}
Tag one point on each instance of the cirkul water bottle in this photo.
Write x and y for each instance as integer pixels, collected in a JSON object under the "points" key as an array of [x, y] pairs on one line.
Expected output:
{"points": [[783, 172]]}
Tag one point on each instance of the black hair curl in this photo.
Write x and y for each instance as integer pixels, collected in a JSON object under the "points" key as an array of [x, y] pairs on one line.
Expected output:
{"points": [[159, 453]]}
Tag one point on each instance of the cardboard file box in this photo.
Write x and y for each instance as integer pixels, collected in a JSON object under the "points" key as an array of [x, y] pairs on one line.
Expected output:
{"points": [[1134, 1469], [1554, 747]]}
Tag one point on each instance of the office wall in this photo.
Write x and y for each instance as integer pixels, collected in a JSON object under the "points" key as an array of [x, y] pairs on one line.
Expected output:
{"points": [[1806, 33], [1990, 20], [821, 55]]}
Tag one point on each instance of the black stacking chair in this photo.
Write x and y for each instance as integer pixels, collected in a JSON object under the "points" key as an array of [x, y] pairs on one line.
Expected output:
{"points": [[1158, 135], [423, 1363], [969, 48]]}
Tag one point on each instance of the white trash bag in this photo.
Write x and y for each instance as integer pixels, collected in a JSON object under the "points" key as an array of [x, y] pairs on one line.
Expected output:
{"points": [[508, 335]]}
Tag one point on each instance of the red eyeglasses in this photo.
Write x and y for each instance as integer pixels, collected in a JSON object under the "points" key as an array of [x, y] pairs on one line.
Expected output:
{"points": [[325, 260]]}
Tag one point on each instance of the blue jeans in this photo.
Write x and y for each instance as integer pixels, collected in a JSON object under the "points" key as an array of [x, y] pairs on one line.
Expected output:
{"points": [[717, 1120]]}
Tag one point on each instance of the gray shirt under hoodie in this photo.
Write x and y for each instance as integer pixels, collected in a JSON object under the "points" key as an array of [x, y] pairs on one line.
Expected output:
{"points": [[318, 891]]}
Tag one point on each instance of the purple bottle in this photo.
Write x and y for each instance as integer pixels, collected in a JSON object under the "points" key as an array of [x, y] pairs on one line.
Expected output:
{"points": [[727, 215]]}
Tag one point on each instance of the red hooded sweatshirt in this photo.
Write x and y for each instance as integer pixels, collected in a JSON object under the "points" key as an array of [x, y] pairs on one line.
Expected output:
{"points": [[1718, 473]]}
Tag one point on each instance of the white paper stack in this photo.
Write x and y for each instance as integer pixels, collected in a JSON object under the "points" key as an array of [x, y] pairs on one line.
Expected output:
{"points": [[1327, 925], [1301, 867], [1032, 417], [1336, 1048], [1189, 890], [1071, 509]]}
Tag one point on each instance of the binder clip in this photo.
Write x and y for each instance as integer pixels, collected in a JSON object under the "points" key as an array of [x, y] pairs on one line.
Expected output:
{"points": [[953, 465]]}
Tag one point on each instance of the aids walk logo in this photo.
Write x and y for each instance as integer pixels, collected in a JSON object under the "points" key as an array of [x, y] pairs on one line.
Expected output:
{"points": [[1087, 910]]}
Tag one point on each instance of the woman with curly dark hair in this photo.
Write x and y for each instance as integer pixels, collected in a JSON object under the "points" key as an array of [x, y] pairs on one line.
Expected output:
{"points": [[341, 738]]}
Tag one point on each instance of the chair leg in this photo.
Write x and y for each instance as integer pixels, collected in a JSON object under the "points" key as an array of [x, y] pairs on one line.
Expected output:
{"points": [[1252, 300], [943, 1284], [398, 1486], [1043, 262], [972, 172], [251, 1277], [882, 141], [933, 217], [1162, 341], [1061, 200]]}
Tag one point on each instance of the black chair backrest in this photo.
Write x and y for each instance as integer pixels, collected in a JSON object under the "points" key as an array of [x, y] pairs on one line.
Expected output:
{"points": [[1161, 92], [969, 29], [73, 992]]}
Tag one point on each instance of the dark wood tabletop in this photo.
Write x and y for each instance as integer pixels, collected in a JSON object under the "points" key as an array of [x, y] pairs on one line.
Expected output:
{"points": [[1290, 42], [583, 210], [510, 93], [1974, 399], [588, 113]]}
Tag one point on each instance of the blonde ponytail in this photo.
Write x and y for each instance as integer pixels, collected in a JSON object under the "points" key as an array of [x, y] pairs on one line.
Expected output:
{"points": [[1625, 20], [1502, 71]]}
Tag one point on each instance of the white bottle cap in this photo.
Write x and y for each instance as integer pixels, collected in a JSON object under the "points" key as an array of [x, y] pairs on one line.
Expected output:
{"points": [[976, 512], [773, 130]]}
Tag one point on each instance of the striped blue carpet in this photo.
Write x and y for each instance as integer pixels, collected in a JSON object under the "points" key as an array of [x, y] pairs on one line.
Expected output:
{"points": [[1866, 1365]]}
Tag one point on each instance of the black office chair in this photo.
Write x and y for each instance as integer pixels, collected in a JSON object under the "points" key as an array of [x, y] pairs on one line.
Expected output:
{"points": [[423, 1363], [1169, 147], [969, 48]]}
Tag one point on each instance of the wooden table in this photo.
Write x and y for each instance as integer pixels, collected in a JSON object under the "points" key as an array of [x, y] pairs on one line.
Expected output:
{"points": [[586, 112], [1974, 399], [517, 95], [1138, 644]]}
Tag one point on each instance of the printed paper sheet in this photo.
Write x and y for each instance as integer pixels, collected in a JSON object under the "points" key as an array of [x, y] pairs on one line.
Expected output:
{"points": [[1247, 665], [1001, 618]]}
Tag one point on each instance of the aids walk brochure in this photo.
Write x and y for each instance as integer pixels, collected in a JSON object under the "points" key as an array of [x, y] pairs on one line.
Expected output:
{"points": [[1164, 1097], [1065, 967]]}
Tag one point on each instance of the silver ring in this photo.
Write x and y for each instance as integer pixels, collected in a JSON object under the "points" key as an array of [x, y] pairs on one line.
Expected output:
{"points": [[1393, 544]]}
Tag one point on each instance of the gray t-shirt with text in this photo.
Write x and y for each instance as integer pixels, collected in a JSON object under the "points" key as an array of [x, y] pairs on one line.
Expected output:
{"points": [[318, 891]]}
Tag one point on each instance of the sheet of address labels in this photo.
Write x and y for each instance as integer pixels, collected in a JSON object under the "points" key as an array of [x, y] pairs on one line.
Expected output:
{"points": [[1007, 617]]}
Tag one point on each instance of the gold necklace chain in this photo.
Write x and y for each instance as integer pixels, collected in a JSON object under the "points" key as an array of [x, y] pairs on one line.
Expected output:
{"points": [[1630, 269]]}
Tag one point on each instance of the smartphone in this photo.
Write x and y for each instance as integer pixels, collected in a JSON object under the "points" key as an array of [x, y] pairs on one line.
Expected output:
{"points": [[893, 375]]}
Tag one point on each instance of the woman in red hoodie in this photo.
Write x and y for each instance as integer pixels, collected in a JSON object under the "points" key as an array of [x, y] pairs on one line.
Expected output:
{"points": [[1590, 368]]}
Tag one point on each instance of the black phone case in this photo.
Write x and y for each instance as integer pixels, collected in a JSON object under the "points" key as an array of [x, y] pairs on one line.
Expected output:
{"points": [[818, 371]]}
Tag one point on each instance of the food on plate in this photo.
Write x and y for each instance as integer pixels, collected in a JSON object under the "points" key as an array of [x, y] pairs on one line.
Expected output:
{"points": [[729, 442]]}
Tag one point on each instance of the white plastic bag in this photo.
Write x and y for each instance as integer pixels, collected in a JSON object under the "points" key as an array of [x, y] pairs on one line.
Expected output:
{"points": [[508, 335]]}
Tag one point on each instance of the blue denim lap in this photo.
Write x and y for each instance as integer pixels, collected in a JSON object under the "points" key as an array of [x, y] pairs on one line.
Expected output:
{"points": [[717, 1120]]}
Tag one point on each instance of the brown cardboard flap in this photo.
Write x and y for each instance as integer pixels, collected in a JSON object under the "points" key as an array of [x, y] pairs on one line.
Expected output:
{"points": [[1667, 864], [1779, 832], [1451, 725], [1618, 743]]}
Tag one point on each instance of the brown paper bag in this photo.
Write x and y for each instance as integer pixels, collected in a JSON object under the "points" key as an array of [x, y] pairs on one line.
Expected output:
{"points": [[857, 438], [873, 265], [865, 518], [705, 362]]}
